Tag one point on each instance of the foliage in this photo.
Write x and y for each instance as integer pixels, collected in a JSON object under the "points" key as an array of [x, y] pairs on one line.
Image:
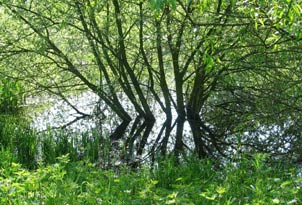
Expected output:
{"points": [[11, 93], [248, 181], [17, 136], [231, 69]]}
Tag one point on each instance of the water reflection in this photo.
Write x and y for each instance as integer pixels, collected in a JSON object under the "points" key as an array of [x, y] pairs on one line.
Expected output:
{"points": [[138, 139], [56, 112], [84, 112]]}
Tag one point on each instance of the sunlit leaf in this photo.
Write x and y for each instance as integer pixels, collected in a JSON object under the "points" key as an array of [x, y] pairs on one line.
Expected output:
{"points": [[286, 183], [276, 201], [220, 190]]}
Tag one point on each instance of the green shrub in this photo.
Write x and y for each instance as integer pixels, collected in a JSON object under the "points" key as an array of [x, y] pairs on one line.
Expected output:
{"points": [[249, 181]]}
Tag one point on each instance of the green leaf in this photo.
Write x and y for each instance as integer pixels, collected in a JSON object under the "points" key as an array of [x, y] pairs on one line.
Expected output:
{"points": [[179, 179], [173, 195], [156, 4], [233, 3], [117, 180], [154, 182], [211, 198], [299, 35], [284, 184], [220, 190], [172, 3], [209, 63], [297, 9], [276, 201], [173, 201]]}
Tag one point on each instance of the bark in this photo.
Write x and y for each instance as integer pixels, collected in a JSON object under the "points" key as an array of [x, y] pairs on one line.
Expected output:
{"points": [[148, 115]]}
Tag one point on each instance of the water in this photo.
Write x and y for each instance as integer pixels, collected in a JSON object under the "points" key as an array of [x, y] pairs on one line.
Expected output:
{"points": [[59, 113], [56, 113]]}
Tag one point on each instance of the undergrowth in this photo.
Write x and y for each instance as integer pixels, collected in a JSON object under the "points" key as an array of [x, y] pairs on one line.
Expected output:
{"points": [[248, 181]]}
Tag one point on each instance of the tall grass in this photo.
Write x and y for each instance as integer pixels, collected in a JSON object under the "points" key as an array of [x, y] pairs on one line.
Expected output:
{"points": [[31, 147], [17, 136], [80, 146]]}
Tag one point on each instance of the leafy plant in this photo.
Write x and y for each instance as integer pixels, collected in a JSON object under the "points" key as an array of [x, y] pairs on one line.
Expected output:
{"points": [[67, 182], [11, 95]]}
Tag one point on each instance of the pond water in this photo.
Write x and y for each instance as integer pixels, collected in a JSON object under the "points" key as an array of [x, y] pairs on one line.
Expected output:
{"points": [[56, 113]]}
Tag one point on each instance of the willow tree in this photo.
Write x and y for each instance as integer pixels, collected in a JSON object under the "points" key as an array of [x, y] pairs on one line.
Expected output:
{"points": [[218, 65]]}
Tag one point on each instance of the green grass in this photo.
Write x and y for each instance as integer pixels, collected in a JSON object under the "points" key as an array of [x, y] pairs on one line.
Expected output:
{"points": [[192, 182]]}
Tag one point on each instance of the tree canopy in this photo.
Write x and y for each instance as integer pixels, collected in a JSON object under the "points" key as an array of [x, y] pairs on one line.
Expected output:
{"points": [[230, 68]]}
